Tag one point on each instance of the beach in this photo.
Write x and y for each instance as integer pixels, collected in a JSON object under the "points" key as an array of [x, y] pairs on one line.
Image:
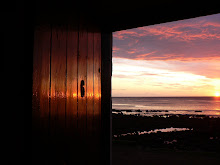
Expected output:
{"points": [[132, 155], [158, 139]]}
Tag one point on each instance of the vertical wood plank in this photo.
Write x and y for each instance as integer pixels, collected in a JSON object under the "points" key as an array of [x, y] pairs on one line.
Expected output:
{"points": [[97, 94], [36, 96], [45, 78], [36, 73], [97, 78], [90, 100], [82, 101], [90, 83], [72, 80], [58, 79], [82, 75], [41, 90], [37, 56], [72, 88], [41, 75]]}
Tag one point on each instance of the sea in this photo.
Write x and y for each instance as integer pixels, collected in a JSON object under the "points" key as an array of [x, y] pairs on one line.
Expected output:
{"points": [[151, 106]]}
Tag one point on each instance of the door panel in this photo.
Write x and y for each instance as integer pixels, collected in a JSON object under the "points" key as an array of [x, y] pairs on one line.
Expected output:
{"points": [[64, 56]]}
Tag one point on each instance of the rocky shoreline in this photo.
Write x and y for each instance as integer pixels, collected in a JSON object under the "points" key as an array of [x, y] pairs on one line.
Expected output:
{"points": [[203, 132]]}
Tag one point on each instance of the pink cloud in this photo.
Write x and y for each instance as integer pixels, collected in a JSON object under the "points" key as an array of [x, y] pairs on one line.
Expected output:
{"points": [[171, 57], [132, 51], [186, 40], [115, 48], [124, 34], [182, 30], [144, 56]]}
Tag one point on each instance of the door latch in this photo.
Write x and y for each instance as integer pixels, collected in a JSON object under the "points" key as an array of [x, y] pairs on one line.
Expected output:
{"points": [[82, 88]]}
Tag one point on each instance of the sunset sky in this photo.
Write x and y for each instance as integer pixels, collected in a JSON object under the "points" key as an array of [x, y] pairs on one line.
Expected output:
{"points": [[179, 58]]}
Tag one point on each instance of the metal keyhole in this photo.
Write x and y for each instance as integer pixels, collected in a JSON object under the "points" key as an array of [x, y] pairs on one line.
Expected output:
{"points": [[82, 88]]}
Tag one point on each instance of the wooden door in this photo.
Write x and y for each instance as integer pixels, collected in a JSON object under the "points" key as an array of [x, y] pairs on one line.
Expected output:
{"points": [[66, 104]]}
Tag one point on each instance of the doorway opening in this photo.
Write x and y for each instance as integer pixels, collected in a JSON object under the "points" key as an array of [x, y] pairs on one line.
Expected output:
{"points": [[165, 93]]}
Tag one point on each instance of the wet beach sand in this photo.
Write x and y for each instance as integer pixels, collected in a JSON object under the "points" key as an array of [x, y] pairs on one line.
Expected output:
{"points": [[198, 144], [132, 155]]}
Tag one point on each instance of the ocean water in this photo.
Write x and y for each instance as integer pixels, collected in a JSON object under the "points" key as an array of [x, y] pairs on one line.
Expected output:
{"points": [[148, 106]]}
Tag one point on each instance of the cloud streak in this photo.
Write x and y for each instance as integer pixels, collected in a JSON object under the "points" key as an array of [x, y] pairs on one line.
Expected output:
{"points": [[186, 40]]}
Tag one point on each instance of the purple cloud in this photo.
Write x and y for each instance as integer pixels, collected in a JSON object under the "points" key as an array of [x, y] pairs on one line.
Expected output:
{"points": [[186, 40]]}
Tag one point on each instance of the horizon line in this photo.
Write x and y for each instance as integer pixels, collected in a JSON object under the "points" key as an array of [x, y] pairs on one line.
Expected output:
{"points": [[163, 96]]}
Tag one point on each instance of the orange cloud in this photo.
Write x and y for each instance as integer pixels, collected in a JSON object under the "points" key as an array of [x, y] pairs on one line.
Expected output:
{"points": [[124, 34], [114, 49], [144, 56]]}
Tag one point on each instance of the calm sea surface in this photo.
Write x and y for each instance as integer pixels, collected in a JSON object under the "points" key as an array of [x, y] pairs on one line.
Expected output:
{"points": [[167, 105]]}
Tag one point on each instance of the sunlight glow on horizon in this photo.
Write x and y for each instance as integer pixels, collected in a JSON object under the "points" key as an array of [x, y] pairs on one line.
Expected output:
{"points": [[143, 78]]}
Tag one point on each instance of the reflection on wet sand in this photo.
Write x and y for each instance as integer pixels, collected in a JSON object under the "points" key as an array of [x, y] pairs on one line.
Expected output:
{"points": [[171, 129]]}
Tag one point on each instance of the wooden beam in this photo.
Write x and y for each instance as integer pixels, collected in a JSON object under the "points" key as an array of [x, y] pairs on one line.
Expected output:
{"points": [[106, 102]]}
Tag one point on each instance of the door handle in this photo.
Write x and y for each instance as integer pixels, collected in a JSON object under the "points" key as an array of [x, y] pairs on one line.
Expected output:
{"points": [[82, 88]]}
